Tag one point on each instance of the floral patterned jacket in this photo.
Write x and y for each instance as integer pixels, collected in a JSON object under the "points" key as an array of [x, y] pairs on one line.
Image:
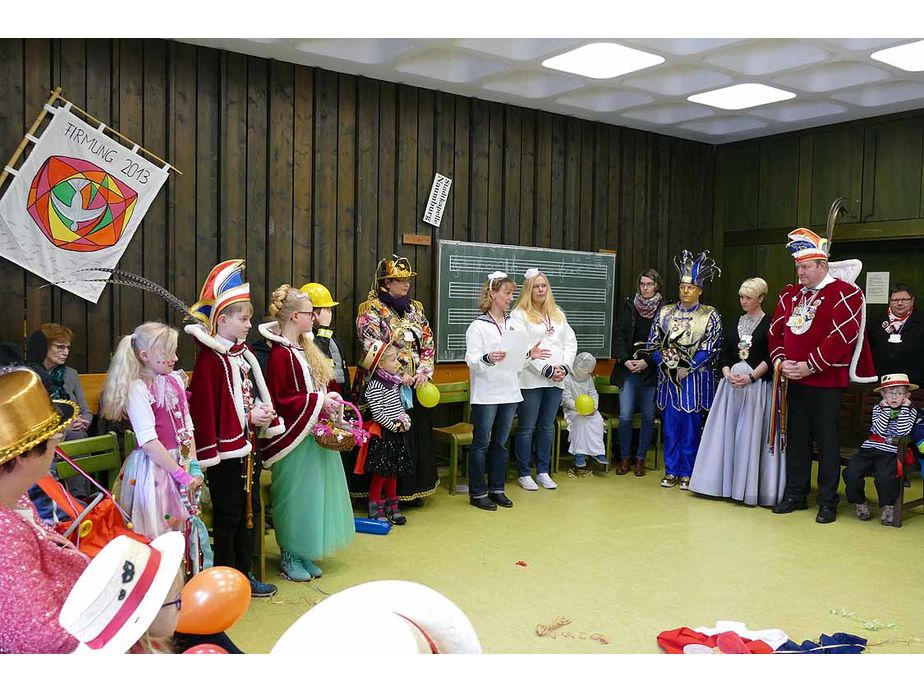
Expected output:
{"points": [[375, 320]]}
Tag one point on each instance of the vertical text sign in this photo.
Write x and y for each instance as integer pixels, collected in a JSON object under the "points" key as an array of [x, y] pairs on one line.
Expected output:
{"points": [[439, 193]]}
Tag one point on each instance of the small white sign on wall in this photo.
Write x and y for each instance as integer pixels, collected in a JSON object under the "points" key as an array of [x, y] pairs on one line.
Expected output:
{"points": [[439, 193], [877, 287]]}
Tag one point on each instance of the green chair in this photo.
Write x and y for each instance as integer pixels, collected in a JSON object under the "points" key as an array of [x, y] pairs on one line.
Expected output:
{"points": [[97, 456], [458, 435]]}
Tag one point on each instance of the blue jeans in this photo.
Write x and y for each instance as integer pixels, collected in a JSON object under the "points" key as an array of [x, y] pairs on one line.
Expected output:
{"points": [[536, 414], [632, 394], [491, 423]]}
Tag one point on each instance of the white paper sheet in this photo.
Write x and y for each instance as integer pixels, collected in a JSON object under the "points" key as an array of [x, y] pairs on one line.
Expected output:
{"points": [[516, 344]]}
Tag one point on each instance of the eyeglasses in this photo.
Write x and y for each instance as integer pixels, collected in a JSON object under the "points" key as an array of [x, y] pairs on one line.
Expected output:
{"points": [[62, 347], [178, 603], [900, 300]]}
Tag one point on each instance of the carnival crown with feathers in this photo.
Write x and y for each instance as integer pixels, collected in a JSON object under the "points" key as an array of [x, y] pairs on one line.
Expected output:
{"points": [[695, 270]]}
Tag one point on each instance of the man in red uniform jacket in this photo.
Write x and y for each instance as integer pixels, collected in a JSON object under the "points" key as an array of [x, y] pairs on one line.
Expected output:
{"points": [[817, 343]]}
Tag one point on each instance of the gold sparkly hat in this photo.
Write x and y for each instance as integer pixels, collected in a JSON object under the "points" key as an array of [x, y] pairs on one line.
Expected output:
{"points": [[27, 414], [394, 268]]}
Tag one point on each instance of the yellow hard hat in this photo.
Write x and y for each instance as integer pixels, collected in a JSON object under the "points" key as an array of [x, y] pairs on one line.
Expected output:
{"points": [[319, 295]]}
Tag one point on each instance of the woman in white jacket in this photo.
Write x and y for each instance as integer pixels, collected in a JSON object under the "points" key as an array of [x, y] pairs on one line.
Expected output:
{"points": [[550, 360], [494, 394]]}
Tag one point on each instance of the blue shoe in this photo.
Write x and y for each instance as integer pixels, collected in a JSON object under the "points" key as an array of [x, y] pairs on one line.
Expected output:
{"points": [[260, 589], [309, 565], [291, 568]]}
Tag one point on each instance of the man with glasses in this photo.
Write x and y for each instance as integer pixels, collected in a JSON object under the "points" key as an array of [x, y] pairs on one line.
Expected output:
{"points": [[896, 336]]}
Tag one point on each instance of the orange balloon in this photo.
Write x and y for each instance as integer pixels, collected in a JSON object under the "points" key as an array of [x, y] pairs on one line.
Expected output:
{"points": [[213, 601], [206, 648]]}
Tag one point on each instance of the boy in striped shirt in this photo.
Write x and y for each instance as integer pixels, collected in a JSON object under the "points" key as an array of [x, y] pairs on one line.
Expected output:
{"points": [[893, 418]]}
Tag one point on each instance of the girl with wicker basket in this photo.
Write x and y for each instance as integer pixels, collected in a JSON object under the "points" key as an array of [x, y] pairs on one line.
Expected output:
{"points": [[311, 504], [385, 455]]}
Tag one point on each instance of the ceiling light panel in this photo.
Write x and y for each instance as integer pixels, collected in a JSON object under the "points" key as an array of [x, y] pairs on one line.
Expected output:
{"points": [[602, 60], [741, 96], [909, 57]]}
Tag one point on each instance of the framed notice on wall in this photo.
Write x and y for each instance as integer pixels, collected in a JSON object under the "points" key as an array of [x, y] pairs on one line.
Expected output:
{"points": [[877, 287]]}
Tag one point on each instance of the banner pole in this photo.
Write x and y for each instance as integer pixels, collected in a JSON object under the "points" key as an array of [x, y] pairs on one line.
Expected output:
{"points": [[25, 140]]}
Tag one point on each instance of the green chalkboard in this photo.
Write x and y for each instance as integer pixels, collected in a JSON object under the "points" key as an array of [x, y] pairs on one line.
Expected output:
{"points": [[583, 285]]}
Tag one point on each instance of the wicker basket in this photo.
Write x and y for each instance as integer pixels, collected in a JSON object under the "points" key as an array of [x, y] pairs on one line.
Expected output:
{"points": [[340, 435]]}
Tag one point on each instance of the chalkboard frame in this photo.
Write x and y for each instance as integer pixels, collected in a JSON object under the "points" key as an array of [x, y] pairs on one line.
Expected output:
{"points": [[513, 262]]}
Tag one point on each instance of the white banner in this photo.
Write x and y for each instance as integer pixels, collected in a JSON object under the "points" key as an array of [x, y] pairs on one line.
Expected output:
{"points": [[75, 203], [439, 193]]}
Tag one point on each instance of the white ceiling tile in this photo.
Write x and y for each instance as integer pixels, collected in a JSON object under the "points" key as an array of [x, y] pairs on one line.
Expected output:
{"points": [[668, 114], [766, 56], [882, 94], [679, 80], [365, 51], [792, 111], [605, 99], [533, 84], [832, 76], [684, 46], [725, 125], [518, 49], [861, 44], [448, 66]]}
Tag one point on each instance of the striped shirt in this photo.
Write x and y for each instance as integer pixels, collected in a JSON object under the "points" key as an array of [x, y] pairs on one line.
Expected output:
{"points": [[890, 424], [384, 402]]}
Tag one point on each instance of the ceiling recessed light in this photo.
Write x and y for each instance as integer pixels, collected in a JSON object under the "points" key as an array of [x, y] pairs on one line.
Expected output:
{"points": [[909, 57], [602, 60], [741, 96]]}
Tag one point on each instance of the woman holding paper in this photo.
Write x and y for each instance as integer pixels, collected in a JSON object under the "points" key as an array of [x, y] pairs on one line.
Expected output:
{"points": [[494, 352], [552, 346]]}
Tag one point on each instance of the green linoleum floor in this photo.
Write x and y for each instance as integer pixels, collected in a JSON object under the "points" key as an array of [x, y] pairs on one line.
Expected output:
{"points": [[624, 558]]}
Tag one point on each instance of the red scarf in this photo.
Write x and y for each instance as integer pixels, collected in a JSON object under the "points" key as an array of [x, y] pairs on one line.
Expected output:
{"points": [[894, 324]]}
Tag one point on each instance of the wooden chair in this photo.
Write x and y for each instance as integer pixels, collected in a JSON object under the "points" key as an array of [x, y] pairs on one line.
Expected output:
{"points": [[97, 456], [458, 435]]}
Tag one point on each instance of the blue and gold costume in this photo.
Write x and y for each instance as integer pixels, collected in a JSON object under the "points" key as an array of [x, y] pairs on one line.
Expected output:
{"points": [[685, 338]]}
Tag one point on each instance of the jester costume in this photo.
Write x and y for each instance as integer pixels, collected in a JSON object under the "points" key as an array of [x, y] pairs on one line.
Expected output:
{"points": [[688, 338], [402, 322]]}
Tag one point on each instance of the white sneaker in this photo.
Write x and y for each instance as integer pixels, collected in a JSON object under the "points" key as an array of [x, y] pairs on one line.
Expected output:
{"points": [[527, 483], [545, 481]]}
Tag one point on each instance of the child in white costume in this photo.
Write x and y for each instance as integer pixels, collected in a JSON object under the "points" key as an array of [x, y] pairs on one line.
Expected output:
{"points": [[585, 431]]}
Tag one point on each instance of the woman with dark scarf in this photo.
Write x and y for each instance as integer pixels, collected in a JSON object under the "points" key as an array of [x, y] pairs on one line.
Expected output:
{"points": [[389, 315], [636, 378]]}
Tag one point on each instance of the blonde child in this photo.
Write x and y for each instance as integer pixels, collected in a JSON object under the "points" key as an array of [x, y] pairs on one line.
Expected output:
{"points": [[387, 456], [312, 514], [143, 385], [585, 431]]}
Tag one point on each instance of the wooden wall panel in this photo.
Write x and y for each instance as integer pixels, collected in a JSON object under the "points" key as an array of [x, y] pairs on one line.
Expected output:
{"points": [[311, 175]]}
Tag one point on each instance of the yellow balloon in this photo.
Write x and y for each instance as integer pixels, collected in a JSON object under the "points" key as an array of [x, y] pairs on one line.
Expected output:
{"points": [[584, 404], [428, 395]]}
